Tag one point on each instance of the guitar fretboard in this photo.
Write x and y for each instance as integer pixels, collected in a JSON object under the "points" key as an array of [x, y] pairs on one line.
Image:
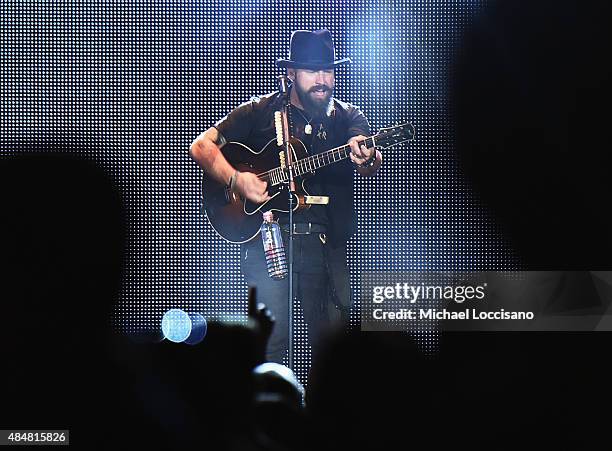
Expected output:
{"points": [[312, 163]]}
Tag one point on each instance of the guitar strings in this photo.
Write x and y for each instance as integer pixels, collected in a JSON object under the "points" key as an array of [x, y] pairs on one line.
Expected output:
{"points": [[269, 175], [304, 162], [303, 165]]}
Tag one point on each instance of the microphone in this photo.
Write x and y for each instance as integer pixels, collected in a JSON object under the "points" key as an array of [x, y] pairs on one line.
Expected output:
{"points": [[283, 85], [283, 88]]}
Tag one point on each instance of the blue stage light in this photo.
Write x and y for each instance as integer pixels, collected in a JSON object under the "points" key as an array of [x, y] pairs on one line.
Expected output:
{"points": [[176, 325], [198, 329]]}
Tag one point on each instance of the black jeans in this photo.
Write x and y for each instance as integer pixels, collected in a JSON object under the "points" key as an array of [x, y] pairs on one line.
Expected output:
{"points": [[320, 283]]}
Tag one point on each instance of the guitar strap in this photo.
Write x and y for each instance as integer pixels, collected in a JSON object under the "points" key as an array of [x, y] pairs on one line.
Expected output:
{"points": [[315, 142]]}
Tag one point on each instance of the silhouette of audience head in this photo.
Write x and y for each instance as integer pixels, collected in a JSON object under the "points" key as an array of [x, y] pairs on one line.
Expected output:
{"points": [[274, 381], [63, 238], [277, 411]]}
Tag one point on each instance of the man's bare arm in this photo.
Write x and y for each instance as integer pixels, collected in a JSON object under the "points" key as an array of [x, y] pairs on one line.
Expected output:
{"points": [[205, 150]]}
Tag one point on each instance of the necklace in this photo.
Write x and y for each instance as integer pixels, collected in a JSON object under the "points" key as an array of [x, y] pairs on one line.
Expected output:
{"points": [[307, 127]]}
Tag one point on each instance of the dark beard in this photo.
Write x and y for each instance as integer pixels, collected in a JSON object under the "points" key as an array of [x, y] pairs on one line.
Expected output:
{"points": [[312, 106]]}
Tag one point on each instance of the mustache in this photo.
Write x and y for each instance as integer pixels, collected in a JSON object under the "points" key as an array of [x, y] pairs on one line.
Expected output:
{"points": [[319, 87]]}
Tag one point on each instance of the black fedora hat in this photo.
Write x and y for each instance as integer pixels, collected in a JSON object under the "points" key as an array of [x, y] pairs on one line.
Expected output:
{"points": [[311, 50]]}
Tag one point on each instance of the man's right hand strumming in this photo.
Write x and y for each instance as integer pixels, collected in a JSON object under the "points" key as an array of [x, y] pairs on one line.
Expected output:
{"points": [[205, 151], [249, 186]]}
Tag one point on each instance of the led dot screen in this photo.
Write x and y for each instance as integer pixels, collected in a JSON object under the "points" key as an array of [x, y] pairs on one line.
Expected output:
{"points": [[137, 81]]}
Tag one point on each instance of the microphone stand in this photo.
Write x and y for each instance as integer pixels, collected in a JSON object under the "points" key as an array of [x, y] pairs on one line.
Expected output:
{"points": [[284, 90]]}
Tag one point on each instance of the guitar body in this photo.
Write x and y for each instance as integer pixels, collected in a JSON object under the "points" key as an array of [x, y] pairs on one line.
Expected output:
{"points": [[238, 220]]}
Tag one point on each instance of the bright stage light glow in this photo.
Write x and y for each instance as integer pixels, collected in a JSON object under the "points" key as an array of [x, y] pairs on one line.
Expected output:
{"points": [[198, 329], [176, 325]]}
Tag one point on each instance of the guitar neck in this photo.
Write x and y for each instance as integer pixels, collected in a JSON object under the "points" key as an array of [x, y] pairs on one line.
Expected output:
{"points": [[328, 157], [314, 162]]}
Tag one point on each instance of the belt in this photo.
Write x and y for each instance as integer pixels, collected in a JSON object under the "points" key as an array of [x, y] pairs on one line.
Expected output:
{"points": [[302, 228]]}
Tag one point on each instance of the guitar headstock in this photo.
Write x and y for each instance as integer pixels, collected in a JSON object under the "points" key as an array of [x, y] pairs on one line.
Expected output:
{"points": [[397, 134]]}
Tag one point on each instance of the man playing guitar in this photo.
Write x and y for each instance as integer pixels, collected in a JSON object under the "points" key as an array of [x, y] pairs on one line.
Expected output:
{"points": [[321, 230]]}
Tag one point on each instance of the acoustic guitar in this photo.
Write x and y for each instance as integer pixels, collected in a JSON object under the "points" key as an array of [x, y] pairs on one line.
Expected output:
{"points": [[238, 220]]}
